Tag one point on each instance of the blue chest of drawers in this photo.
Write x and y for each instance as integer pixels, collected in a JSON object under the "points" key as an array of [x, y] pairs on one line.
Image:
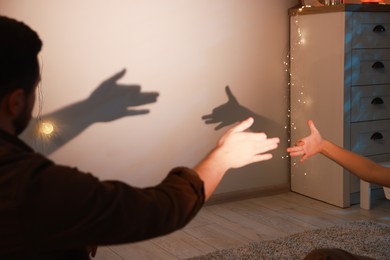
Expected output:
{"points": [[340, 78]]}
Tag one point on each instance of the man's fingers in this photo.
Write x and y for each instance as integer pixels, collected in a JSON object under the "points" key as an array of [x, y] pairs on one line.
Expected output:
{"points": [[267, 145], [262, 157], [244, 125]]}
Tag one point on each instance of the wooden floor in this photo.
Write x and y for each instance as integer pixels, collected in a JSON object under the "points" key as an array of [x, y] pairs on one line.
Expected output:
{"points": [[237, 223]]}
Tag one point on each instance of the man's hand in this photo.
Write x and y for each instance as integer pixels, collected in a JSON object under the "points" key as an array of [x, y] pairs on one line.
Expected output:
{"points": [[239, 148], [236, 148]]}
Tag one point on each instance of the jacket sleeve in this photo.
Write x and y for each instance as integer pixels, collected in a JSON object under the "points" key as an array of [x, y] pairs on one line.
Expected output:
{"points": [[68, 208]]}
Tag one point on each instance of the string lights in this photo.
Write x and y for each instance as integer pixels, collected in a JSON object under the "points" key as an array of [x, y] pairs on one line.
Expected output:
{"points": [[46, 128], [297, 42]]}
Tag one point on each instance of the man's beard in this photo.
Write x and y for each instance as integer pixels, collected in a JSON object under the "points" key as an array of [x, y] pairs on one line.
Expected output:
{"points": [[22, 121]]}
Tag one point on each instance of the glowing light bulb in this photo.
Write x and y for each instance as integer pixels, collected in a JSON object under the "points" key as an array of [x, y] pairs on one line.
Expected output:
{"points": [[47, 128]]}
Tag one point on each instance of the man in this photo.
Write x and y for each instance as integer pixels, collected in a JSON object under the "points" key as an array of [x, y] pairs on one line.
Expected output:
{"points": [[49, 211]]}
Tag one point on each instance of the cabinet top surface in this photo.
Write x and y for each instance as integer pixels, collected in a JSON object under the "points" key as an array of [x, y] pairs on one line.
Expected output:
{"points": [[339, 8]]}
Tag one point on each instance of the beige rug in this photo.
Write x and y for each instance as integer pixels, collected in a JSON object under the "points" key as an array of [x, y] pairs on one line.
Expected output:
{"points": [[366, 238]]}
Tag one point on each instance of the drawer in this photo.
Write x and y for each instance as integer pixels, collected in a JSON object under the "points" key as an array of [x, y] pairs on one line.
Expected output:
{"points": [[371, 30], [371, 138], [370, 103], [370, 66]]}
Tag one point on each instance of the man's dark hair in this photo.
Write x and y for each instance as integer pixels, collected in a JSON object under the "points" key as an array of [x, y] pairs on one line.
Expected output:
{"points": [[19, 48]]}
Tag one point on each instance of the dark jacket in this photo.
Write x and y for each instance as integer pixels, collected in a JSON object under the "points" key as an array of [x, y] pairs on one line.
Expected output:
{"points": [[48, 211]]}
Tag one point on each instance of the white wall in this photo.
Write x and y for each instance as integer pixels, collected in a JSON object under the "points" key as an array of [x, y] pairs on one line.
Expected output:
{"points": [[187, 51]]}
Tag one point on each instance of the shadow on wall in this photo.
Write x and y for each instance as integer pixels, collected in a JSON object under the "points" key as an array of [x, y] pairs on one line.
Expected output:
{"points": [[242, 178], [108, 102], [232, 112], [111, 101]]}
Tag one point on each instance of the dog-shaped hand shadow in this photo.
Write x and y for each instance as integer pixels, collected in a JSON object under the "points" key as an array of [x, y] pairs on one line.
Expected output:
{"points": [[232, 112], [108, 102]]}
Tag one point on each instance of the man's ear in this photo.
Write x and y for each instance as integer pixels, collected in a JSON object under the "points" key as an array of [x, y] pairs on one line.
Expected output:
{"points": [[16, 102]]}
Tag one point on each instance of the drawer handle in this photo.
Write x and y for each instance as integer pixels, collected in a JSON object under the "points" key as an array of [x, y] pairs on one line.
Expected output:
{"points": [[376, 136], [377, 101], [378, 65], [379, 28]]}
